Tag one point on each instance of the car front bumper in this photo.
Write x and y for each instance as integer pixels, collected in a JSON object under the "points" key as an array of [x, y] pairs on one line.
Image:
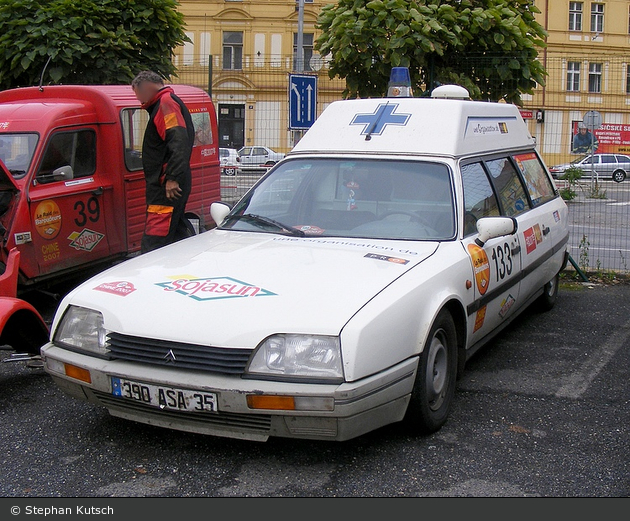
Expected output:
{"points": [[357, 407]]}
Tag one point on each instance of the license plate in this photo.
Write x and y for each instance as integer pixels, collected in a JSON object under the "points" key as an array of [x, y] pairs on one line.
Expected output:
{"points": [[165, 397]]}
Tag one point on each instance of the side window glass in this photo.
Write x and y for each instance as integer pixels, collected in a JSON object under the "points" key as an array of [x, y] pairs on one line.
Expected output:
{"points": [[479, 198], [508, 186], [203, 129], [608, 159], [536, 179], [68, 155], [134, 123]]}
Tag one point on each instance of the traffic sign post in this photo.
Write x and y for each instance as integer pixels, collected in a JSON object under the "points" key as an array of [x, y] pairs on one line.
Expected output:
{"points": [[302, 101]]}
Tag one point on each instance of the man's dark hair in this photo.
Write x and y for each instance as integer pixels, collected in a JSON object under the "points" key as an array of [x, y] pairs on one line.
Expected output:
{"points": [[150, 76]]}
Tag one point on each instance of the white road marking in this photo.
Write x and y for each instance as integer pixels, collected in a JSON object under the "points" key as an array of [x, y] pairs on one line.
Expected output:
{"points": [[577, 383]]}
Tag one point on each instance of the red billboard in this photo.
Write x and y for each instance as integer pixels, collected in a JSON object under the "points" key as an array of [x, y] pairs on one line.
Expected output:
{"points": [[609, 138]]}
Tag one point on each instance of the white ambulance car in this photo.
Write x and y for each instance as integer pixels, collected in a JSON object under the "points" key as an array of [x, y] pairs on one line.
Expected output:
{"points": [[344, 292]]}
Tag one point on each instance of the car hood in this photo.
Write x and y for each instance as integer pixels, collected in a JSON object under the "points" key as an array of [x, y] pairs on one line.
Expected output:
{"points": [[233, 289]]}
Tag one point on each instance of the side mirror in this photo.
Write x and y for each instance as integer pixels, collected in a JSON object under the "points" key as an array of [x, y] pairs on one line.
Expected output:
{"points": [[493, 227], [63, 173], [219, 211]]}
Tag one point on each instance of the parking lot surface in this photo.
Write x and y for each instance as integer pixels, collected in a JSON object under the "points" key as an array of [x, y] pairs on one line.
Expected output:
{"points": [[544, 410]]}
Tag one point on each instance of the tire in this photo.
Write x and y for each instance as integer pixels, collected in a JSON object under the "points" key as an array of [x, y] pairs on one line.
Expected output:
{"points": [[550, 294], [434, 388], [618, 176]]}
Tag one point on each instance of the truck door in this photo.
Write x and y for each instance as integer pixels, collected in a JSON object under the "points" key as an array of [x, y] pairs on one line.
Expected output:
{"points": [[68, 202], [497, 264]]}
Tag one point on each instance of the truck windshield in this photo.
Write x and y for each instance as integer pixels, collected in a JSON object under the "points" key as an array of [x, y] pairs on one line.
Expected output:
{"points": [[367, 198], [16, 152]]}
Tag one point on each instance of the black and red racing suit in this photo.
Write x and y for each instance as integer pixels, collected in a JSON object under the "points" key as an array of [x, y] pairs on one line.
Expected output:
{"points": [[166, 150]]}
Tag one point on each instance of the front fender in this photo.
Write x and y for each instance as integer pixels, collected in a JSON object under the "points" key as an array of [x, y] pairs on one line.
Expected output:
{"points": [[21, 326]]}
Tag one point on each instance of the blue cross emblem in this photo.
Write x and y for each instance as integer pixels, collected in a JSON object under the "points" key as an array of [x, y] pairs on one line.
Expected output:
{"points": [[375, 123]]}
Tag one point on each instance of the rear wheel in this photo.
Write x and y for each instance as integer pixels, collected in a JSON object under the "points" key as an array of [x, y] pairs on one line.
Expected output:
{"points": [[434, 388], [619, 176], [550, 294]]}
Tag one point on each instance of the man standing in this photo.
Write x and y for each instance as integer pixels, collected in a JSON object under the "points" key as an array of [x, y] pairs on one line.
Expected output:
{"points": [[166, 151]]}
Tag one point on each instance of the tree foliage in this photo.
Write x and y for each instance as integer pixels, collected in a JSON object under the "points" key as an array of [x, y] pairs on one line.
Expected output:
{"points": [[88, 42], [488, 46]]}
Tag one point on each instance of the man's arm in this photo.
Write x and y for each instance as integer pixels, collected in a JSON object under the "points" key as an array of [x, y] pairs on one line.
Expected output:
{"points": [[172, 128]]}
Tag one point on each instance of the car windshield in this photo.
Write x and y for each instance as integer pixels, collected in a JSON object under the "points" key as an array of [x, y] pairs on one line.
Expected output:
{"points": [[580, 159], [16, 152], [366, 198]]}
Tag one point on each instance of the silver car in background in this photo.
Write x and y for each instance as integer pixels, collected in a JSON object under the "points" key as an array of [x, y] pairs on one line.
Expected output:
{"points": [[604, 166]]}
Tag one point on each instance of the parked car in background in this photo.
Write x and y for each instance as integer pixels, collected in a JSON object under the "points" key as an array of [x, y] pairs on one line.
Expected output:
{"points": [[605, 166], [230, 161], [255, 157]]}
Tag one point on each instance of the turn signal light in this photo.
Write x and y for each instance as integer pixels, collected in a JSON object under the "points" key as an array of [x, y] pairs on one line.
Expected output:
{"points": [[78, 372], [261, 401]]}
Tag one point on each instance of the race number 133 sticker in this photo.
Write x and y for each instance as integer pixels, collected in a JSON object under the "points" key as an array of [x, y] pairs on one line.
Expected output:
{"points": [[481, 267]]}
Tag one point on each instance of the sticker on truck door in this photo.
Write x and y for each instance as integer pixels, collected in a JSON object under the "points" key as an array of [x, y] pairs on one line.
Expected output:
{"points": [[48, 219]]}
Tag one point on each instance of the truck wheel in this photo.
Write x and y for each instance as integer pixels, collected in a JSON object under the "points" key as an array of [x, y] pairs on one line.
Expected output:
{"points": [[434, 388], [619, 176], [192, 224]]}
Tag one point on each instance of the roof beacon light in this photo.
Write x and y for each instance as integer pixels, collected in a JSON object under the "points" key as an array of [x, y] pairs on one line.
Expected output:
{"points": [[450, 92], [399, 83]]}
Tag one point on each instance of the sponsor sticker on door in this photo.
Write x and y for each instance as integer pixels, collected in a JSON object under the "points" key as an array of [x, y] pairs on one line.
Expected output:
{"points": [[85, 240], [48, 219]]}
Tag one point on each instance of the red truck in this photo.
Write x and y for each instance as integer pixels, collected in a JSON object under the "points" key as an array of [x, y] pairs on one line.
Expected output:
{"points": [[72, 188]]}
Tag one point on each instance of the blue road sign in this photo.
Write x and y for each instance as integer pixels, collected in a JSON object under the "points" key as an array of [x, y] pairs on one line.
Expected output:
{"points": [[302, 101]]}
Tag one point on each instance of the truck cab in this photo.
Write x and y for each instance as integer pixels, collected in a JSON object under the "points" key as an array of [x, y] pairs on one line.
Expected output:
{"points": [[72, 188]]}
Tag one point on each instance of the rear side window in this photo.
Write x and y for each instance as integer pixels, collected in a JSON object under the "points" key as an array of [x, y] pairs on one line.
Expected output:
{"points": [[68, 155], [536, 179], [203, 129], [479, 198], [134, 123], [508, 185]]}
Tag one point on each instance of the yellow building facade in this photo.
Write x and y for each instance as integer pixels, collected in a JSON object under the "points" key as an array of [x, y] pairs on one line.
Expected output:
{"points": [[246, 50], [252, 45], [587, 59]]}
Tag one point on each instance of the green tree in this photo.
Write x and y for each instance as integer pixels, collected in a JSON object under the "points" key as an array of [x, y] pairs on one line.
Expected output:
{"points": [[89, 42], [488, 46]]}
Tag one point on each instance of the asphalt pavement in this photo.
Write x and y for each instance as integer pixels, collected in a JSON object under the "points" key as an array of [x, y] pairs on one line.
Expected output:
{"points": [[542, 411]]}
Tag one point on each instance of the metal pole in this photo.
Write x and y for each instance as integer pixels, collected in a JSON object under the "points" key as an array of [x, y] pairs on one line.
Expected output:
{"points": [[300, 38], [210, 75], [299, 58]]}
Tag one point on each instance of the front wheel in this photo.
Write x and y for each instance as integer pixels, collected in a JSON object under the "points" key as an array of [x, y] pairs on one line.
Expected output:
{"points": [[434, 388], [618, 176]]}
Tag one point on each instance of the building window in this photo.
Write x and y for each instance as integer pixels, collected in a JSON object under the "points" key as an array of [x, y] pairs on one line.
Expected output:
{"points": [[597, 18], [628, 79], [307, 46], [575, 16], [233, 50], [573, 76], [595, 77]]}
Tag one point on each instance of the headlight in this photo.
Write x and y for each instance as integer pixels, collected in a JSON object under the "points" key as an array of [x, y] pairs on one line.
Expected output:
{"points": [[82, 329], [298, 355]]}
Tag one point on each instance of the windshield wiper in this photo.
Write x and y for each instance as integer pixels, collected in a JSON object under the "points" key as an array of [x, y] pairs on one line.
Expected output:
{"points": [[267, 221]]}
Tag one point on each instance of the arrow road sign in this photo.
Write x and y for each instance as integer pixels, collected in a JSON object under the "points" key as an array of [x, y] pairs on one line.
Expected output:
{"points": [[302, 101]]}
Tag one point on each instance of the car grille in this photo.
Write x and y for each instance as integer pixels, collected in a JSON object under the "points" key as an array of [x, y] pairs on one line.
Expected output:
{"points": [[178, 354], [252, 422]]}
